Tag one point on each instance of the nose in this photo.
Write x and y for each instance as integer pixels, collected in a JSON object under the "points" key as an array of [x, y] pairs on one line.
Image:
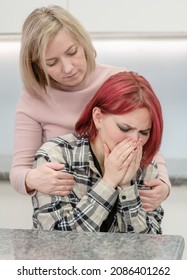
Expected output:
{"points": [[66, 66], [135, 135]]}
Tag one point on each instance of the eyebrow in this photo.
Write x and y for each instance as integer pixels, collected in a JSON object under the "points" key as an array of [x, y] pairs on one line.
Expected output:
{"points": [[131, 127]]}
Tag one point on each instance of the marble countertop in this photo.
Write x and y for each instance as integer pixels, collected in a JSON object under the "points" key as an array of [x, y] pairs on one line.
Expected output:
{"points": [[23, 244]]}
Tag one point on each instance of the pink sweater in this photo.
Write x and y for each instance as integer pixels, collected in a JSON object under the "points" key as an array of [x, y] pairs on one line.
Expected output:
{"points": [[39, 120]]}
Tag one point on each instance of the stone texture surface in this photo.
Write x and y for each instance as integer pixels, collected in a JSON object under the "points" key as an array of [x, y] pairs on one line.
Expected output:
{"points": [[28, 244]]}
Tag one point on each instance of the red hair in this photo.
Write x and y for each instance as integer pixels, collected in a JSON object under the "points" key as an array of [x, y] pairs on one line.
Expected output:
{"points": [[120, 94]]}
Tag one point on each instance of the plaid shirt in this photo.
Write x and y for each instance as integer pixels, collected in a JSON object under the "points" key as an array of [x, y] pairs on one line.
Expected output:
{"points": [[92, 199]]}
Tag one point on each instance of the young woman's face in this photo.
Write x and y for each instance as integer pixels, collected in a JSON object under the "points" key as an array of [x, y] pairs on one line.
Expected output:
{"points": [[65, 61], [112, 129]]}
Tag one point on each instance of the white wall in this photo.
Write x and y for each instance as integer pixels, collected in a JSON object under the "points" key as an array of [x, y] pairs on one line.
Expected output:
{"points": [[105, 15], [131, 15], [13, 13]]}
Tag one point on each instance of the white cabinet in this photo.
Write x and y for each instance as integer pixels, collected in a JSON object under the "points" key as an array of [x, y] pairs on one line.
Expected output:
{"points": [[131, 16], [104, 15], [13, 13]]}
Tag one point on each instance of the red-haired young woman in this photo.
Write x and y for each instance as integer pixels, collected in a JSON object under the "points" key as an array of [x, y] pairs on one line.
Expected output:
{"points": [[111, 155]]}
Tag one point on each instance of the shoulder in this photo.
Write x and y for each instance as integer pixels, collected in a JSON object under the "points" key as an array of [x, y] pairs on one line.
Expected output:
{"points": [[69, 150], [101, 73], [28, 102], [62, 144], [25, 98], [39, 109], [104, 70]]}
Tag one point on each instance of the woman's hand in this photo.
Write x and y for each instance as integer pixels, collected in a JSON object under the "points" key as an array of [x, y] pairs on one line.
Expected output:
{"points": [[48, 179], [133, 166], [152, 199], [117, 161]]}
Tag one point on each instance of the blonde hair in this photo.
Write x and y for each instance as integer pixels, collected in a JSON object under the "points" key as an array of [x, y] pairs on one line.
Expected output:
{"points": [[39, 28]]}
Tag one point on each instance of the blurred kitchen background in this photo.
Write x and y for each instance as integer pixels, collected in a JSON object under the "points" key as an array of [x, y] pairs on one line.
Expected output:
{"points": [[149, 37]]}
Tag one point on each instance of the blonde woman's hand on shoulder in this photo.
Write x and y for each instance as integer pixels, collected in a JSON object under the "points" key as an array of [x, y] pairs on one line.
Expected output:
{"points": [[152, 199]]}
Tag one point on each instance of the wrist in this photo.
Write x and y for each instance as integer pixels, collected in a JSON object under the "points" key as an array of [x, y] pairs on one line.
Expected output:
{"points": [[126, 185], [28, 187], [113, 185], [168, 188]]}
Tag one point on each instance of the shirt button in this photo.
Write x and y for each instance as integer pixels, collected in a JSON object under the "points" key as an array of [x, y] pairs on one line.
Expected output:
{"points": [[130, 228], [124, 197]]}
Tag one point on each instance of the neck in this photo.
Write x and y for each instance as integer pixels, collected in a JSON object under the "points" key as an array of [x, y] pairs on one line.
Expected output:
{"points": [[83, 84], [59, 86]]}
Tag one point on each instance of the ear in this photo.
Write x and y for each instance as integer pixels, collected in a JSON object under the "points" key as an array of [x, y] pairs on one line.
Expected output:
{"points": [[97, 117]]}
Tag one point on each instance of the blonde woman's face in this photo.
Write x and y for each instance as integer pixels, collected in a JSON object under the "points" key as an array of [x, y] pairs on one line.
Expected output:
{"points": [[65, 61]]}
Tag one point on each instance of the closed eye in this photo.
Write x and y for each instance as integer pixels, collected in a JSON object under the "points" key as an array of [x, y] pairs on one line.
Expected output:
{"points": [[128, 128], [72, 52], [51, 63], [124, 129], [145, 132]]}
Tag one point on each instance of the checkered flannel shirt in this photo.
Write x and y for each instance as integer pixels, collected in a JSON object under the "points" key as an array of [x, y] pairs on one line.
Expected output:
{"points": [[91, 199]]}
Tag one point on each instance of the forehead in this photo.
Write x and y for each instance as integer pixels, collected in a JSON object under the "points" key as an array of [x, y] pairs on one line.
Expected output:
{"points": [[62, 41]]}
